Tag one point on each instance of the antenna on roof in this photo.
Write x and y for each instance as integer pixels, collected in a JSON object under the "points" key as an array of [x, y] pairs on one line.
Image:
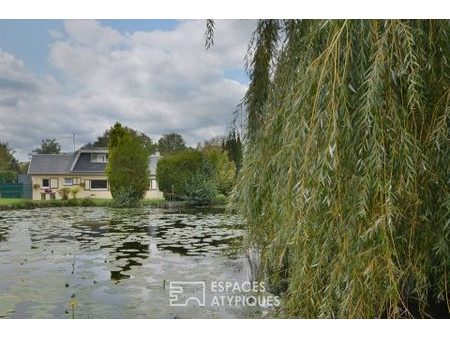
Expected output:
{"points": [[73, 139]]}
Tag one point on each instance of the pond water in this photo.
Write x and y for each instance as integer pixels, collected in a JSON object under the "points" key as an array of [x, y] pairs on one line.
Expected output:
{"points": [[119, 263]]}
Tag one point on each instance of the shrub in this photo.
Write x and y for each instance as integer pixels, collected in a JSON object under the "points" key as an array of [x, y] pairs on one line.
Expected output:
{"points": [[220, 199], [125, 198], [127, 168], [73, 202], [174, 171], [188, 176], [64, 193], [87, 202], [199, 189], [223, 169], [8, 176], [74, 191]]}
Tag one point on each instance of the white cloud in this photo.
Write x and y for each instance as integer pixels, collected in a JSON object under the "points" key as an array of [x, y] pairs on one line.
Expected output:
{"points": [[156, 81], [91, 33]]}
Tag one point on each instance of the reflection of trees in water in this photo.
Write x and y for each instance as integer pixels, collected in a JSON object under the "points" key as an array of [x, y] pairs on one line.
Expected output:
{"points": [[126, 237], [89, 231], [191, 239], [4, 231], [113, 235], [133, 252]]}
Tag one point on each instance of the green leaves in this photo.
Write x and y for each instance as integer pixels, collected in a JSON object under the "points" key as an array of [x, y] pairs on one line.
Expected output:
{"points": [[48, 146], [127, 169], [346, 179], [186, 175], [261, 53]]}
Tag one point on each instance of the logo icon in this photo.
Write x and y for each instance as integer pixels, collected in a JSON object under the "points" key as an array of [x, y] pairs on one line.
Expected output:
{"points": [[183, 293]]}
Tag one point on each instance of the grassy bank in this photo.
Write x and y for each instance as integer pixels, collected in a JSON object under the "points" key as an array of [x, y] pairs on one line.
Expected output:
{"points": [[20, 203]]}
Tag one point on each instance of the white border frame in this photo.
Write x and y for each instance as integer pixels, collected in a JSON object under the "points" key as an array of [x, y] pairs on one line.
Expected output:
{"points": [[224, 9]]}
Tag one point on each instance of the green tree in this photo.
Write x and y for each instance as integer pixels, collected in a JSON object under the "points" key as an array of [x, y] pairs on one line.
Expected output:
{"points": [[7, 159], [186, 175], [170, 143], [233, 146], [127, 168], [23, 167], [103, 140], [223, 169], [345, 181], [8, 176], [48, 146]]}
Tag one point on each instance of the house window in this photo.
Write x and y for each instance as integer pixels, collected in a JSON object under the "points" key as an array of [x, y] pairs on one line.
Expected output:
{"points": [[99, 158], [99, 185], [68, 181], [54, 183], [153, 185], [45, 183]]}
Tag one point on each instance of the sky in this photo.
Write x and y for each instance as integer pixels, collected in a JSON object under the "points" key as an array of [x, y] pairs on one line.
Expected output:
{"points": [[59, 77]]}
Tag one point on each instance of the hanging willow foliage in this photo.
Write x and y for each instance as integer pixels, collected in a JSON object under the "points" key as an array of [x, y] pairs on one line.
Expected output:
{"points": [[345, 183]]}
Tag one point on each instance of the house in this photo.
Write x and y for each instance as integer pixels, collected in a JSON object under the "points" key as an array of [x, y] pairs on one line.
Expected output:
{"points": [[84, 168]]}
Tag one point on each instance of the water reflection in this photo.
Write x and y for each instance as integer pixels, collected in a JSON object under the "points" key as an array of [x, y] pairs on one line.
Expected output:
{"points": [[126, 236], [132, 254], [3, 232], [110, 258]]}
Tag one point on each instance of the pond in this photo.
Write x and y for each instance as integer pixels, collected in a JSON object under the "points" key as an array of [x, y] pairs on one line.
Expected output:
{"points": [[122, 263]]}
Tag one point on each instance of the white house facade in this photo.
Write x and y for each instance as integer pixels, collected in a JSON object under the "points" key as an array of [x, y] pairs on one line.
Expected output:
{"points": [[83, 171]]}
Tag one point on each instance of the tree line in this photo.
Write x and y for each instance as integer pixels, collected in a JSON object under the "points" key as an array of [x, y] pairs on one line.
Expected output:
{"points": [[195, 175]]}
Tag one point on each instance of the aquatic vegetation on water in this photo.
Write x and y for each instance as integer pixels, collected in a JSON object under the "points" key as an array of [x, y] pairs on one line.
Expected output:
{"points": [[114, 263]]}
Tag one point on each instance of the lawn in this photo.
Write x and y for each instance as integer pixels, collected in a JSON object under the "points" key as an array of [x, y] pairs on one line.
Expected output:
{"points": [[11, 201]]}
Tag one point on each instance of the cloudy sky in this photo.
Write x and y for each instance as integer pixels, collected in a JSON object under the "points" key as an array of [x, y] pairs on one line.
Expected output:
{"points": [[80, 76]]}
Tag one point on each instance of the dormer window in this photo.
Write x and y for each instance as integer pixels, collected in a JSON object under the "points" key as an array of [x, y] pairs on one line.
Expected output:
{"points": [[99, 158]]}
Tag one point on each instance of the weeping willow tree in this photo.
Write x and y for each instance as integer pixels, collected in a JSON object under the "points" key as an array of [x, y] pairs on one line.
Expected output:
{"points": [[345, 182]]}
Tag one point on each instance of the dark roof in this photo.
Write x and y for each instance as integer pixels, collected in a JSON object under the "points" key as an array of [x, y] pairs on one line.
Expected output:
{"points": [[84, 164], [80, 162], [50, 164]]}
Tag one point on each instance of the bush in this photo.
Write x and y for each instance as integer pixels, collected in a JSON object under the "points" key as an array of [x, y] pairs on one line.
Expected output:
{"points": [[87, 202], [74, 191], [127, 168], [8, 176], [199, 189], [64, 193], [73, 203], [174, 171], [125, 198], [220, 199], [223, 169], [188, 176]]}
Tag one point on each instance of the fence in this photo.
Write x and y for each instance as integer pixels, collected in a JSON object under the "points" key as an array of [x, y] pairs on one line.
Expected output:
{"points": [[16, 190]]}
